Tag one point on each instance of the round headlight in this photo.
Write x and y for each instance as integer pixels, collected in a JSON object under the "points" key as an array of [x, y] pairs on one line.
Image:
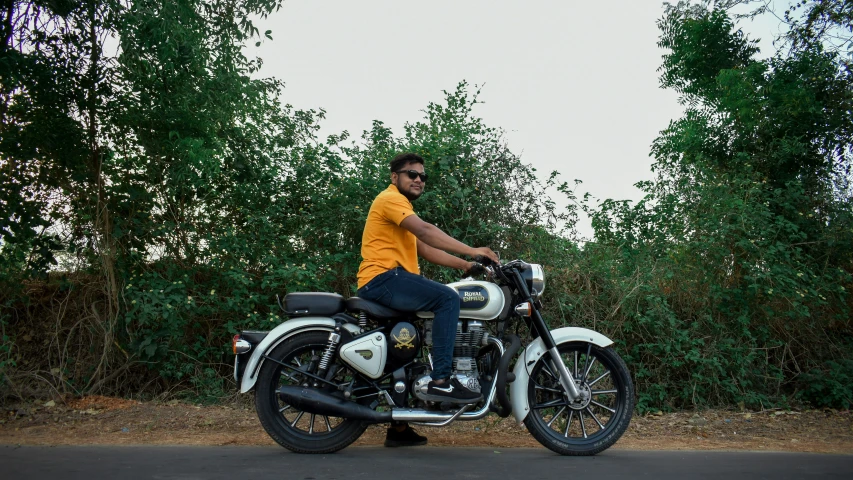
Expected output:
{"points": [[534, 276]]}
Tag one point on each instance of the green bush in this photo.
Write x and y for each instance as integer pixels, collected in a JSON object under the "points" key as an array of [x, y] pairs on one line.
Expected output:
{"points": [[829, 386]]}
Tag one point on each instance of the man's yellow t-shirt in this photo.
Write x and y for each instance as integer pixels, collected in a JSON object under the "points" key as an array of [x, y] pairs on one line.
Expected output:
{"points": [[384, 243]]}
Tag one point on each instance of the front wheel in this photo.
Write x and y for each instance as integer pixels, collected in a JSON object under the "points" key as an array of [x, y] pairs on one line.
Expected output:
{"points": [[599, 420]]}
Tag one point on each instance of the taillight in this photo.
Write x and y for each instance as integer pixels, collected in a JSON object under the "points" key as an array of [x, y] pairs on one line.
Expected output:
{"points": [[238, 345]]}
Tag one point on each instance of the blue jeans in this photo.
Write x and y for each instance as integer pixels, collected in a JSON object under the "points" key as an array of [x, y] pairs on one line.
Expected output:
{"points": [[404, 291]]}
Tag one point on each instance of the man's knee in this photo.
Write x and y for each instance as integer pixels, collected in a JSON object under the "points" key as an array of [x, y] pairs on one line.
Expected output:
{"points": [[450, 300]]}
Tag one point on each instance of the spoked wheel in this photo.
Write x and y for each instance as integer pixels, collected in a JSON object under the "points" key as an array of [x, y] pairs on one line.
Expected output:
{"points": [[596, 422], [291, 428]]}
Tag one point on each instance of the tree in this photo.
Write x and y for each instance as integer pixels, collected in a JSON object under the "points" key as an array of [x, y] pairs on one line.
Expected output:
{"points": [[746, 226], [114, 153], [828, 23]]}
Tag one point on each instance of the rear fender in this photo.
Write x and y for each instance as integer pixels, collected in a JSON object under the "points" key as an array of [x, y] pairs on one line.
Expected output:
{"points": [[525, 363], [279, 334]]}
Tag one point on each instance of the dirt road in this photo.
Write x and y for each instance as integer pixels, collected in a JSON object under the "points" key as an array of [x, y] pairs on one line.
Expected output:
{"points": [[112, 421]]}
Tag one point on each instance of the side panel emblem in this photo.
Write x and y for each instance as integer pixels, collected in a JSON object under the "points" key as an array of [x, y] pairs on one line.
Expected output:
{"points": [[405, 340]]}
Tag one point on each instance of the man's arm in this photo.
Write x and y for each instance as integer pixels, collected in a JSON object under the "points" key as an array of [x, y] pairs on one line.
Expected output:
{"points": [[440, 257], [434, 237]]}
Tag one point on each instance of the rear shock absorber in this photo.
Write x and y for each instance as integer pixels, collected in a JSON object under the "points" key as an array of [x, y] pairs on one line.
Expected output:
{"points": [[334, 339]]}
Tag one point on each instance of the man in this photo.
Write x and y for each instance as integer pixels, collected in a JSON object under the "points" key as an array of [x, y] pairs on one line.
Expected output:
{"points": [[393, 239]]}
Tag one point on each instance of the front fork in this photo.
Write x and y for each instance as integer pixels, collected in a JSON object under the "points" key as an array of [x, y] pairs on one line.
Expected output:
{"points": [[538, 323], [565, 377]]}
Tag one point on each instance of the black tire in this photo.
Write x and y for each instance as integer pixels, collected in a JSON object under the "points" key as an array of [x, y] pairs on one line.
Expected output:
{"points": [[288, 426], [589, 428]]}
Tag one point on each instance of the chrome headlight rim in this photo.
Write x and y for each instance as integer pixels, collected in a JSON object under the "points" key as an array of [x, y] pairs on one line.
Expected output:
{"points": [[534, 276], [537, 274]]}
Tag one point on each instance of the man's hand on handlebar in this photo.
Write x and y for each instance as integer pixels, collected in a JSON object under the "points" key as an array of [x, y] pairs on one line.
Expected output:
{"points": [[487, 253], [474, 269]]}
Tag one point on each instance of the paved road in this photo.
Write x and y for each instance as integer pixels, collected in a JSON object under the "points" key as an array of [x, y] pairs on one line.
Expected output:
{"points": [[425, 463]]}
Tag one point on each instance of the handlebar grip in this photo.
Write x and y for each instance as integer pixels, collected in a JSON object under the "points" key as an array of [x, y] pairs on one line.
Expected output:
{"points": [[476, 269], [484, 260]]}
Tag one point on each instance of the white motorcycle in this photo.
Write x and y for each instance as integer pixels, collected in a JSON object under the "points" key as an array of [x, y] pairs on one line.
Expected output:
{"points": [[339, 365]]}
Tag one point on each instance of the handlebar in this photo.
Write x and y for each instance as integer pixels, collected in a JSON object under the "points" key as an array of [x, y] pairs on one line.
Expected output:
{"points": [[476, 269], [482, 266], [485, 261]]}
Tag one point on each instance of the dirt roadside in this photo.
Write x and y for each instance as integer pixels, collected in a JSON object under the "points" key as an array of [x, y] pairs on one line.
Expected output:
{"points": [[114, 421]]}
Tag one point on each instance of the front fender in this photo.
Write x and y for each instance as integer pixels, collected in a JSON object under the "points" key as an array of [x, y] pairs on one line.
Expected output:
{"points": [[524, 365], [279, 334]]}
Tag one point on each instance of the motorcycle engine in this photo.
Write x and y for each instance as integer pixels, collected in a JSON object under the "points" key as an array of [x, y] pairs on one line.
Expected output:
{"points": [[468, 342]]}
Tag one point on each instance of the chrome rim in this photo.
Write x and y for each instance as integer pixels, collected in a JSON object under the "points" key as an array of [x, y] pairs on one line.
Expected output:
{"points": [[587, 418]]}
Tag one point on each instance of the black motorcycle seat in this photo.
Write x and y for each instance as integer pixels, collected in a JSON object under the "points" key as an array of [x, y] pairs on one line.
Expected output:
{"points": [[313, 303], [373, 309]]}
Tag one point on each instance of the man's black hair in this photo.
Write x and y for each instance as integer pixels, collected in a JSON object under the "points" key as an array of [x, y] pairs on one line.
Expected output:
{"points": [[403, 159]]}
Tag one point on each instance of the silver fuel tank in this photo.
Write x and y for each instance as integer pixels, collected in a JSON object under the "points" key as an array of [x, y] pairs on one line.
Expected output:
{"points": [[478, 300]]}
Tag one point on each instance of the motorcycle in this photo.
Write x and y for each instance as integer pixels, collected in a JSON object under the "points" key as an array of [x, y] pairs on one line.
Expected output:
{"points": [[338, 365]]}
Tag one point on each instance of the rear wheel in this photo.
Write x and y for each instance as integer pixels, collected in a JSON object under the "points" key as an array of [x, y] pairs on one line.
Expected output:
{"points": [[592, 425], [291, 428]]}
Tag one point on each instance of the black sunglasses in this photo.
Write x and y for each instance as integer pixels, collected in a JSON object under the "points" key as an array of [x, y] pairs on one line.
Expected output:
{"points": [[414, 174]]}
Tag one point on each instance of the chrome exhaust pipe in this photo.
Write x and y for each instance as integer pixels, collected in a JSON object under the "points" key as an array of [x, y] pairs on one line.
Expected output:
{"points": [[321, 403]]}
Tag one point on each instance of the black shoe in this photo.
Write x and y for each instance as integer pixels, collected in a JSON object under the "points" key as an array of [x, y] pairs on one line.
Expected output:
{"points": [[452, 391], [406, 438]]}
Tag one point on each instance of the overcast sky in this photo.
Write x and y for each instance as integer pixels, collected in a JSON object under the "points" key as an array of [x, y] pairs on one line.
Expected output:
{"points": [[573, 83]]}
